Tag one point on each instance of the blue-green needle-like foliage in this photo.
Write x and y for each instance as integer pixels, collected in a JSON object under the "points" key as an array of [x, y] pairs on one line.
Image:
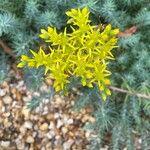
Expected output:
{"points": [[20, 24]]}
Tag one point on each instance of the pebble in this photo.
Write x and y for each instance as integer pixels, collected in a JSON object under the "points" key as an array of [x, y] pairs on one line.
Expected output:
{"points": [[26, 112], [55, 130], [50, 116], [50, 134], [43, 127], [70, 121], [7, 99], [59, 124], [34, 134], [30, 139], [87, 134], [5, 144], [2, 92], [26, 99], [3, 109], [59, 101], [67, 145], [49, 146], [56, 115], [6, 114], [64, 130], [8, 124], [43, 148], [65, 118], [23, 130], [51, 126], [28, 125], [20, 146]]}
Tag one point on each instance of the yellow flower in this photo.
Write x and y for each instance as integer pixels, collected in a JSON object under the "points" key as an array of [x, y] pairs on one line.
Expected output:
{"points": [[82, 53]]}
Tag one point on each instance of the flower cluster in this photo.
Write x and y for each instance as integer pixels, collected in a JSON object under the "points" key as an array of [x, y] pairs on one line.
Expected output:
{"points": [[83, 53]]}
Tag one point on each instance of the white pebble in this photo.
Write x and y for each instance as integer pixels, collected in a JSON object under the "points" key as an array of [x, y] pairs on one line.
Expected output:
{"points": [[67, 145], [56, 115], [3, 109], [30, 139], [26, 99], [28, 125], [43, 148], [70, 121], [51, 126], [7, 99], [64, 130], [5, 143], [34, 134], [50, 134], [2, 92], [20, 146], [59, 124]]}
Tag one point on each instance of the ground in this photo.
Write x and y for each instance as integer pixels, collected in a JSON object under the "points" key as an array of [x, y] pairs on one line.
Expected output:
{"points": [[51, 126]]}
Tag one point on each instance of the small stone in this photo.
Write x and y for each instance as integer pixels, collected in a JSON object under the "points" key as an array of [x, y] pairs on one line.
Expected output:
{"points": [[5, 144], [58, 140], [26, 112], [37, 109], [140, 141], [59, 124], [20, 146], [3, 109], [71, 134], [65, 118], [50, 116], [34, 134], [64, 130], [8, 124], [49, 146], [30, 139], [28, 125], [7, 114], [59, 101], [85, 118], [7, 99], [70, 121], [50, 134], [67, 145], [72, 103], [43, 148], [23, 130], [107, 147], [2, 92], [87, 134], [45, 110], [56, 115], [49, 82], [1, 103], [92, 119], [51, 126], [46, 101], [26, 99], [44, 126], [41, 134]]}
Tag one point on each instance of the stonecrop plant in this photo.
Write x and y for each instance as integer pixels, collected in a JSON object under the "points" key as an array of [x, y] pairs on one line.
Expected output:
{"points": [[83, 52]]}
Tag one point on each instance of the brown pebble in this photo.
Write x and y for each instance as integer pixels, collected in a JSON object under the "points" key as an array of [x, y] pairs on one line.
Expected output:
{"points": [[30, 139], [43, 127]]}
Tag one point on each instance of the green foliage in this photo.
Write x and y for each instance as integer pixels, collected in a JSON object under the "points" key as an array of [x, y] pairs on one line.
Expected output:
{"points": [[20, 22], [37, 100], [33, 78], [4, 67]]}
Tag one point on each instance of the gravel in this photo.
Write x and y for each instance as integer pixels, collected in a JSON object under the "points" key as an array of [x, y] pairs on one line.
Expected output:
{"points": [[52, 126]]}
